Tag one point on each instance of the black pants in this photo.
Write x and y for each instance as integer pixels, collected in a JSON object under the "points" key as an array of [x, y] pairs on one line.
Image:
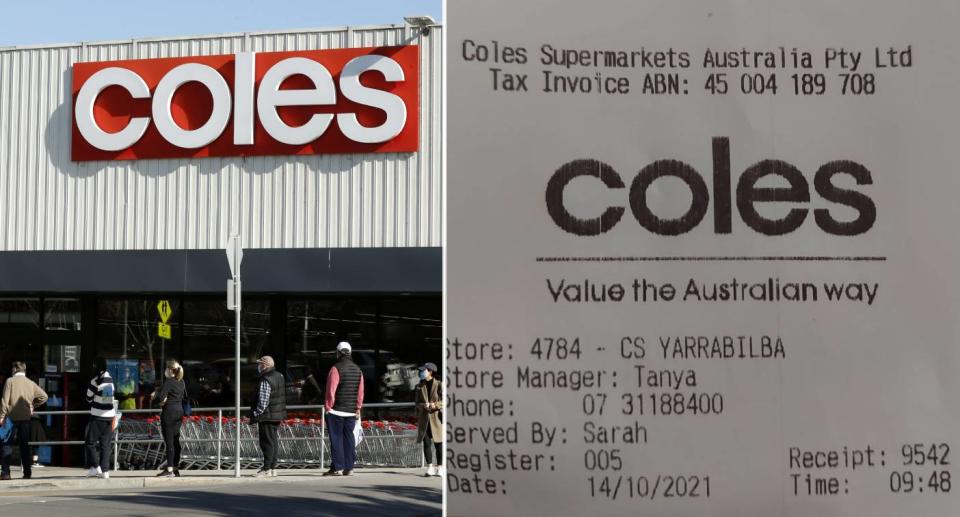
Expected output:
{"points": [[269, 442], [99, 442], [428, 449], [21, 429], [170, 423]]}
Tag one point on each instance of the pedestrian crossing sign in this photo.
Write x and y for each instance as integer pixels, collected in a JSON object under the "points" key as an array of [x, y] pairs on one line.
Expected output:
{"points": [[163, 308]]}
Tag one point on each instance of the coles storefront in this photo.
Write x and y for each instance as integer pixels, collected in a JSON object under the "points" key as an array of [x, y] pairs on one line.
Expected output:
{"points": [[126, 166]]}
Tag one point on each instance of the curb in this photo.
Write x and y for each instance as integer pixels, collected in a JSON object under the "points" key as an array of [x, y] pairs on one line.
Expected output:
{"points": [[140, 482]]}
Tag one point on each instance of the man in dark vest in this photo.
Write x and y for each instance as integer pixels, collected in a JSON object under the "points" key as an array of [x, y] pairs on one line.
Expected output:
{"points": [[270, 410], [343, 400]]}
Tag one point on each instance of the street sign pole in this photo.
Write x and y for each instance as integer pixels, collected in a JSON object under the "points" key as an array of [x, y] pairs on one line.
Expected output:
{"points": [[236, 469], [234, 256]]}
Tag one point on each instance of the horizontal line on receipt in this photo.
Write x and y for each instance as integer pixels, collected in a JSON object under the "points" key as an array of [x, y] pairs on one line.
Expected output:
{"points": [[801, 258]]}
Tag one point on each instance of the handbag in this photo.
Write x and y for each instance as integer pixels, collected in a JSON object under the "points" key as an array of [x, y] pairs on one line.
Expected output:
{"points": [[6, 429], [187, 406]]}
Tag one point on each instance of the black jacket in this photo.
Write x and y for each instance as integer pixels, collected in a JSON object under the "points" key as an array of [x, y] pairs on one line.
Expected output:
{"points": [[171, 395], [345, 398], [277, 406]]}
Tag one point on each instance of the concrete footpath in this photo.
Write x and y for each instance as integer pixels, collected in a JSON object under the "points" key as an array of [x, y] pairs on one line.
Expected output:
{"points": [[369, 492], [72, 479]]}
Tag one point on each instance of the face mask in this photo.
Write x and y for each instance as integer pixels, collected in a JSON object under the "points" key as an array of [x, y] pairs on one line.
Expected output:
{"points": [[423, 375], [259, 368]]}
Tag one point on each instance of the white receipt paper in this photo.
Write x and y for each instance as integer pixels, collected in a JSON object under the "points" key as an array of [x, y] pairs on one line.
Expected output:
{"points": [[703, 258]]}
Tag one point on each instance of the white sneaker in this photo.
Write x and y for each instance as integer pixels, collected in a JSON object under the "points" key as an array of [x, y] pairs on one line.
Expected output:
{"points": [[439, 472], [273, 473], [262, 473], [431, 471], [93, 472], [104, 475]]}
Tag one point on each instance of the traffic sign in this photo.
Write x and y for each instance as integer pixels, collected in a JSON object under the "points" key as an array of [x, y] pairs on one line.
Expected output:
{"points": [[233, 295], [234, 255], [163, 330], [163, 308]]}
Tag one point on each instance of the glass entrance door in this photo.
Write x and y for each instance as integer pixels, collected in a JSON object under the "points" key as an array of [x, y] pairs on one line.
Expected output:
{"points": [[45, 333]]}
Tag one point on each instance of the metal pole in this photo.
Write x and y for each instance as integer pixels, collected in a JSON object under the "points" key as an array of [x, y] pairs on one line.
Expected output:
{"points": [[116, 450], [323, 430], [219, 435], [236, 468]]}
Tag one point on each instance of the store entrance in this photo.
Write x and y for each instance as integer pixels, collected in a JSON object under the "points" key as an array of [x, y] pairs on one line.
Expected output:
{"points": [[45, 333]]}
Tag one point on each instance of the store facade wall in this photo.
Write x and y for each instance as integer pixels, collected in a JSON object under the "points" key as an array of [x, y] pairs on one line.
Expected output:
{"points": [[49, 202], [336, 246]]}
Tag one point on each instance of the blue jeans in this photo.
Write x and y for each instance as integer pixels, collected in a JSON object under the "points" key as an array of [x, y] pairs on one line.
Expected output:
{"points": [[342, 448]]}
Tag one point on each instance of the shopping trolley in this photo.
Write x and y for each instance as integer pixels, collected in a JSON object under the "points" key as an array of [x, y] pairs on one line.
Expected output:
{"points": [[302, 444]]}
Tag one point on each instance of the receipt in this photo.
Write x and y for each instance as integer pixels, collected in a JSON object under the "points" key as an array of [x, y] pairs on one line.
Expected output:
{"points": [[702, 258]]}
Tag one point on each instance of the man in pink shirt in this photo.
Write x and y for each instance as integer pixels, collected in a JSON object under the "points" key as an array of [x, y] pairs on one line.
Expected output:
{"points": [[343, 400]]}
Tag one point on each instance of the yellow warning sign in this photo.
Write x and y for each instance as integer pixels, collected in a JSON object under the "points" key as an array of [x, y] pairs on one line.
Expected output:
{"points": [[163, 307], [163, 330]]}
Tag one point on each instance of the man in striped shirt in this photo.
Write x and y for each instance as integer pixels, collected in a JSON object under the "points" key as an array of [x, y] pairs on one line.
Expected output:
{"points": [[103, 409]]}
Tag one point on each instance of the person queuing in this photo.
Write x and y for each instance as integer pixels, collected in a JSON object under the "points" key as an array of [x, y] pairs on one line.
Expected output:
{"points": [[21, 396], [37, 434], [103, 409], [343, 400], [171, 396], [429, 400], [271, 409]]}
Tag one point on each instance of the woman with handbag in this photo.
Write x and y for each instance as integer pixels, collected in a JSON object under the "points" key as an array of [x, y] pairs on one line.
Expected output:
{"points": [[172, 395]]}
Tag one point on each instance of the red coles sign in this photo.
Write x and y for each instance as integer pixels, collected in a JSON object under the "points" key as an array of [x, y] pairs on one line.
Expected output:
{"points": [[358, 100]]}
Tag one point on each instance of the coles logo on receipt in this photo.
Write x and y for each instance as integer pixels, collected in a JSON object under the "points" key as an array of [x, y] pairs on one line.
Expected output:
{"points": [[748, 195]]}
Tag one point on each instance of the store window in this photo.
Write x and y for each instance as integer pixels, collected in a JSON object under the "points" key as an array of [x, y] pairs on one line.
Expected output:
{"points": [[136, 336], [412, 333], [209, 344], [61, 314], [390, 337], [314, 327], [20, 312]]}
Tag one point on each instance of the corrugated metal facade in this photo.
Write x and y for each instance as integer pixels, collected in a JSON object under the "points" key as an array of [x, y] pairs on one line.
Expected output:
{"points": [[48, 202]]}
